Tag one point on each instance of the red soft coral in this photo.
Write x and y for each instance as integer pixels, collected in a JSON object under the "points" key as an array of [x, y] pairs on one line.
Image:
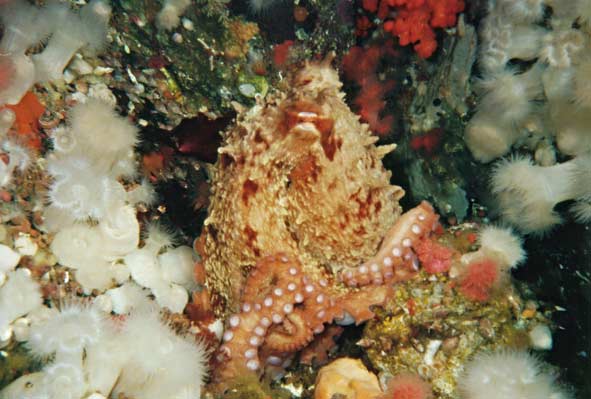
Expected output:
{"points": [[409, 4], [412, 27], [370, 5], [371, 103], [479, 279], [444, 13], [359, 62], [415, 20], [428, 142], [434, 257], [360, 65], [407, 386]]}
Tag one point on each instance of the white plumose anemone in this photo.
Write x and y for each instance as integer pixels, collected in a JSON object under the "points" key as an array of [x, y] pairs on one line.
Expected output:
{"points": [[169, 16], [19, 295], [498, 244], [171, 296], [158, 237], [73, 329], [127, 297], [93, 250], [503, 244], [82, 192], [507, 374], [120, 231], [64, 380], [75, 245], [508, 95], [162, 364], [523, 10], [139, 356], [505, 108], [177, 266], [71, 32], [527, 194], [487, 139], [144, 268], [24, 26], [21, 77], [102, 136]]}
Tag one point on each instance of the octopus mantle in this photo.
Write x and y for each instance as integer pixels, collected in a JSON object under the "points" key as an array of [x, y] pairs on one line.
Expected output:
{"points": [[297, 174]]}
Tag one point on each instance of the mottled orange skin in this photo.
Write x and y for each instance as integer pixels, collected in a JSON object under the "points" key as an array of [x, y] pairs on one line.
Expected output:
{"points": [[297, 174]]}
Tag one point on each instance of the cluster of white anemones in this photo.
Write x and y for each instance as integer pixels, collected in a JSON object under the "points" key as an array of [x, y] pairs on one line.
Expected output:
{"points": [[527, 194], [92, 355], [548, 101], [64, 31], [94, 218], [543, 107], [91, 213], [87, 160]]}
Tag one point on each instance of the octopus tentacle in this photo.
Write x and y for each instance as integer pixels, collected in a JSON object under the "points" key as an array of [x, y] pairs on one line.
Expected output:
{"points": [[320, 306], [307, 319], [286, 317], [291, 339], [265, 276], [275, 362], [395, 260], [317, 352], [357, 304], [247, 330]]}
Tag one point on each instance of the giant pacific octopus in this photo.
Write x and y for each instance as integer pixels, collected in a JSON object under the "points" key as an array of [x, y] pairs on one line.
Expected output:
{"points": [[304, 227]]}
